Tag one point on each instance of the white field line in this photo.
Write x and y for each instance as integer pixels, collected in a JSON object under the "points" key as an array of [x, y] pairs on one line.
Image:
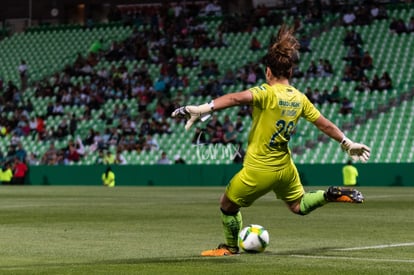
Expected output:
{"points": [[375, 246], [353, 258]]}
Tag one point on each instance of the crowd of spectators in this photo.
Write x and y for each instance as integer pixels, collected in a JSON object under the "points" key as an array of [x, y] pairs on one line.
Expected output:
{"points": [[358, 62], [353, 70], [399, 26], [377, 83], [168, 28], [321, 69], [13, 164], [330, 97], [323, 97], [115, 82], [219, 132], [363, 14]]}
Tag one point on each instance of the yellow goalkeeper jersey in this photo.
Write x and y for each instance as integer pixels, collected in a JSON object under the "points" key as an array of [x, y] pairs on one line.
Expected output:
{"points": [[276, 111]]}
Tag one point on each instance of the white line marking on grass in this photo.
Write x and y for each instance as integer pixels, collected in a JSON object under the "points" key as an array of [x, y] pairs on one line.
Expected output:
{"points": [[353, 258], [375, 246]]}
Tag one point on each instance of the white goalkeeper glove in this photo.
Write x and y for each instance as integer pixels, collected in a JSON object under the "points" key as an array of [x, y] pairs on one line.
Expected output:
{"points": [[193, 113], [356, 151]]}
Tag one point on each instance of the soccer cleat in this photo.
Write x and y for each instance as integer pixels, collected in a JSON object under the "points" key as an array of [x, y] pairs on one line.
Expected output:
{"points": [[221, 250], [343, 194]]}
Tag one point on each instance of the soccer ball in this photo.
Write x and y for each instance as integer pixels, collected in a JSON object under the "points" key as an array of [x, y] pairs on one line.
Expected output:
{"points": [[253, 238]]}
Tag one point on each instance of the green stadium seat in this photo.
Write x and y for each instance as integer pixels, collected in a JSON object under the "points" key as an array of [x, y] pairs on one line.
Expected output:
{"points": [[328, 45]]}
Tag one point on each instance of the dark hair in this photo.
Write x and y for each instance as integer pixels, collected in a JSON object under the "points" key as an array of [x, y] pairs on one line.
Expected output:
{"points": [[283, 53]]}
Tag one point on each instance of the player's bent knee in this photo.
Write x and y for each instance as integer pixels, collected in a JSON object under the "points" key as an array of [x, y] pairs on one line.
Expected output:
{"points": [[295, 208], [227, 205]]}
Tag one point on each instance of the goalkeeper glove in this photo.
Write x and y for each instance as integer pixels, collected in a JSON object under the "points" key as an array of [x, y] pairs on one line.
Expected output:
{"points": [[356, 151], [193, 113]]}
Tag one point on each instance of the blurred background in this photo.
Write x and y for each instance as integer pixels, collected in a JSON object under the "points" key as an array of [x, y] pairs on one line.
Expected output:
{"points": [[94, 82]]}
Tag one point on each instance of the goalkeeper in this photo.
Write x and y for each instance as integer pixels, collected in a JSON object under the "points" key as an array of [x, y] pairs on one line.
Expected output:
{"points": [[268, 166]]}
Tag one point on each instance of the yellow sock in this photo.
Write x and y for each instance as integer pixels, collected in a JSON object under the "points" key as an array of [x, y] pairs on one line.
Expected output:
{"points": [[312, 200]]}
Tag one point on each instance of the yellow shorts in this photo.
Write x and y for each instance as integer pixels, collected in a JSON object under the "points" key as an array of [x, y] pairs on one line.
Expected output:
{"points": [[248, 185]]}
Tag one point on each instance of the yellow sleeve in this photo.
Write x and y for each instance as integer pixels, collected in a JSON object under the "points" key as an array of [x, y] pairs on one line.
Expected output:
{"points": [[259, 94], [309, 111]]}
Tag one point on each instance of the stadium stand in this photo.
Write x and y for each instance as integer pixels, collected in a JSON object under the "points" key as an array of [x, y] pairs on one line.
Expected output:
{"points": [[53, 54]]}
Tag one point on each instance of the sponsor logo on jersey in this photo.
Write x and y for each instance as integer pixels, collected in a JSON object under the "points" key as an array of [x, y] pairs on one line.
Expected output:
{"points": [[284, 103]]}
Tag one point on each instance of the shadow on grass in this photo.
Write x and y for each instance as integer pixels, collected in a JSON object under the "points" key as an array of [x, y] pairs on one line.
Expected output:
{"points": [[129, 261], [195, 259], [173, 260]]}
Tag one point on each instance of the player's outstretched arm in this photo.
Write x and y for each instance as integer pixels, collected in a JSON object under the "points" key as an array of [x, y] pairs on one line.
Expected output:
{"points": [[192, 113], [357, 151]]}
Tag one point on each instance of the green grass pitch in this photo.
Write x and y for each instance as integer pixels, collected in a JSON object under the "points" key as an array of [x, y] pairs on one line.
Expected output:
{"points": [[162, 230]]}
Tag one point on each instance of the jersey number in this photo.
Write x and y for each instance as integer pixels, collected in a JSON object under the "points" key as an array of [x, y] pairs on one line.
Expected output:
{"points": [[284, 129]]}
